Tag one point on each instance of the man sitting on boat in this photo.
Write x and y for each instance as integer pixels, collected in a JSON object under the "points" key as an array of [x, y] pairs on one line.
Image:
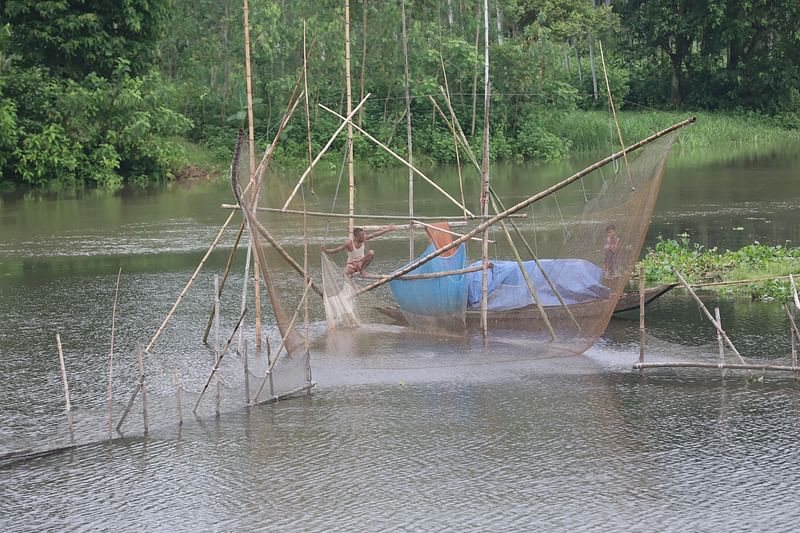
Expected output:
{"points": [[358, 258]]}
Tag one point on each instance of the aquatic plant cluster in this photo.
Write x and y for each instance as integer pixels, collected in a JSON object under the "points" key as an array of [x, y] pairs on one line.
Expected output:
{"points": [[699, 264]]}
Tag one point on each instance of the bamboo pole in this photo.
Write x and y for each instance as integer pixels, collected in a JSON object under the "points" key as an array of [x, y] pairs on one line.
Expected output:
{"points": [[737, 281], [794, 292], [217, 347], [720, 343], [111, 359], [641, 319], [246, 376], [431, 275], [523, 204], [475, 70], [485, 175], [244, 290], [348, 88], [322, 152], [225, 274], [434, 228], [140, 356], [455, 139], [67, 403], [614, 114], [129, 406], [408, 131], [308, 113], [178, 396], [393, 154], [218, 360], [452, 223], [708, 315], [732, 366], [356, 216]]}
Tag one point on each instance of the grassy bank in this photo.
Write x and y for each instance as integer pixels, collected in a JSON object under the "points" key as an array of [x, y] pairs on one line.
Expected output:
{"points": [[699, 264]]}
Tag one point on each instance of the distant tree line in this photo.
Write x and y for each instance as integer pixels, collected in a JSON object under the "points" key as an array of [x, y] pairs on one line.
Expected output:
{"points": [[100, 91]]}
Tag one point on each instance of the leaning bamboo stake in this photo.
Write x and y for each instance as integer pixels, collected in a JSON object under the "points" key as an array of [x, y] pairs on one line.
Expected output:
{"points": [[225, 274], [455, 148], [189, 284], [708, 315], [794, 292], [67, 403], [111, 359], [322, 152], [614, 114], [129, 406], [289, 259], [393, 154], [521, 205], [140, 356], [641, 319], [720, 343], [218, 360]]}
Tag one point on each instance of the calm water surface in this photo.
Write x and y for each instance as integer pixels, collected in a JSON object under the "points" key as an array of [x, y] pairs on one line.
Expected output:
{"points": [[404, 431]]}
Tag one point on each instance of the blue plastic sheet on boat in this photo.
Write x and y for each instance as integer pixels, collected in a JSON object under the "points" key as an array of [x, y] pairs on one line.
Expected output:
{"points": [[577, 280], [438, 296]]}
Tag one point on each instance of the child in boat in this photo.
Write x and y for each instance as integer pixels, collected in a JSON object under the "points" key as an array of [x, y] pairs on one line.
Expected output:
{"points": [[610, 250], [358, 258]]}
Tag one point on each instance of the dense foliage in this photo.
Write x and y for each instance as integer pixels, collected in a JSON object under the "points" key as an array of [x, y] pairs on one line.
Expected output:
{"points": [[94, 90], [699, 264]]}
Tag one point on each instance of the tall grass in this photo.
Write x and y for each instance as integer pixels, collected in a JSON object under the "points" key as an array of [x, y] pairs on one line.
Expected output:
{"points": [[595, 130]]}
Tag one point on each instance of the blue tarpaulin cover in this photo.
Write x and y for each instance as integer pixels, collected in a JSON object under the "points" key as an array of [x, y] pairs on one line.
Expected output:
{"points": [[577, 281], [438, 296]]}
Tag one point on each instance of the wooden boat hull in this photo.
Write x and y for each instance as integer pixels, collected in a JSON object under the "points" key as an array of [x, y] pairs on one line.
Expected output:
{"points": [[627, 302]]}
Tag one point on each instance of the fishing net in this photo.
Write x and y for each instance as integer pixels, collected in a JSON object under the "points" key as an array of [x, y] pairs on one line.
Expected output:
{"points": [[557, 286], [339, 296]]}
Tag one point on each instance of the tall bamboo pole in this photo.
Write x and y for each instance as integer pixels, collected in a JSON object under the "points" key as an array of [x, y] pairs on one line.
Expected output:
{"points": [[350, 169], [614, 114], [252, 159], [408, 132], [308, 113], [475, 70], [485, 175], [111, 359]]}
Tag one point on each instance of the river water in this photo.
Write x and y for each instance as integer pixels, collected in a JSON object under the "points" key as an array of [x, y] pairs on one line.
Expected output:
{"points": [[405, 431]]}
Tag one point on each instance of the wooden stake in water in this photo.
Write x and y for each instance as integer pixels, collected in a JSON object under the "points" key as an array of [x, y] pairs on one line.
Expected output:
{"points": [[246, 376], [217, 385], [641, 318], [795, 335], [63, 373], [178, 395], [719, 340], [111, 359], [140, 355]]}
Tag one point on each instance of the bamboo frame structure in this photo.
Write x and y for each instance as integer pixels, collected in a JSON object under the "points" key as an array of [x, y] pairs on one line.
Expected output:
{"points": [[322, 152], [393, 154], [523, 204]]}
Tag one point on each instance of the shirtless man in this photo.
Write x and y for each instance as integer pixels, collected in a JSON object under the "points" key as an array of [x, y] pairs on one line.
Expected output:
{"points": [[358, 258]]}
